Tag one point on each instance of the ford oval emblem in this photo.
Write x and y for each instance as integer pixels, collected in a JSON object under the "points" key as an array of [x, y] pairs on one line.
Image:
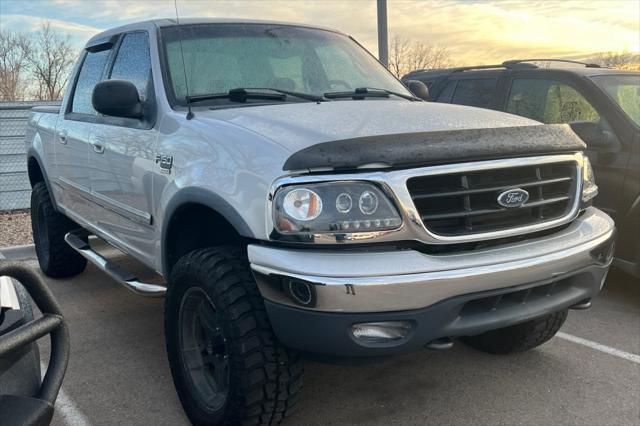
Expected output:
{"points": [[513, 198]]}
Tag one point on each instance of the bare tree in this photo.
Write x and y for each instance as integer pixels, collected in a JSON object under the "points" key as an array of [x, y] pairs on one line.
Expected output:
{"points": [[50, 61], [425, 56], [405, 56], [618, 60], [14, 53], [399, 51]]}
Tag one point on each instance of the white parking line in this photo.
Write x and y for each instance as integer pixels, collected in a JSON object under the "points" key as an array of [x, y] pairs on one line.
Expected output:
{"points": [[66, 408], [599, 347]]}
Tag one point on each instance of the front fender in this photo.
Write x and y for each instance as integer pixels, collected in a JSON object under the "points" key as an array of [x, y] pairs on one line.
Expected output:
{"points": [[196, 195]]}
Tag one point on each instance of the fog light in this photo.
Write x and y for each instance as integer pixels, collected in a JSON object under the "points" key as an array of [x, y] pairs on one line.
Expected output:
{"points": [[301, 292], [380, 332], [604, 252]]}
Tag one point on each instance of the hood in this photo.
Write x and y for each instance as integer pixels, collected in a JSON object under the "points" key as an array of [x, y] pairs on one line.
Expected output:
{"points": [[296, 126]]}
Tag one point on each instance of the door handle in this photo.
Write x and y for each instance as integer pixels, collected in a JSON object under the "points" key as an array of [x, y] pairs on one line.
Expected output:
{"points": [[98, 146], [62, 137]]}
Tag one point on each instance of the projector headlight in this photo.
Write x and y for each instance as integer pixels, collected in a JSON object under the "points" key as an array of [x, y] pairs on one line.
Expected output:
{"points": [[589, 187], [335, 207]]}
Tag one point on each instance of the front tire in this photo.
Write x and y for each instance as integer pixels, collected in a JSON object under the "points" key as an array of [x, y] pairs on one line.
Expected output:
{"points": [[56, 258], [227, 365], [519, 337]]}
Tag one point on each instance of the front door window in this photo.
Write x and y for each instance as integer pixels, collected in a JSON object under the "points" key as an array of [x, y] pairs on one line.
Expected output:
{"points": [[549, 101]]}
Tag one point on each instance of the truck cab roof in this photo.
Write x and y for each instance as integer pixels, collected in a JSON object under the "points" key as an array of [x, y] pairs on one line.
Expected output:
{"points": [[568, 68], [153, 24]]}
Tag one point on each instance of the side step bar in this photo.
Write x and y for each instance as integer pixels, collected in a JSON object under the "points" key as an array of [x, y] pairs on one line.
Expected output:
{"points": [[116, 272]]}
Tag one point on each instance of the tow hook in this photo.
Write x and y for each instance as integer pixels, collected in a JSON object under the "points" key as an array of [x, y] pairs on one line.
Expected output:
{"points": [[585, 304], [440, 344]]}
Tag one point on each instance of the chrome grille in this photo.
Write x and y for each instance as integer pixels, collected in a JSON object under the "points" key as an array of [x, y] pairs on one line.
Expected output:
{"points": [[465, 203]]}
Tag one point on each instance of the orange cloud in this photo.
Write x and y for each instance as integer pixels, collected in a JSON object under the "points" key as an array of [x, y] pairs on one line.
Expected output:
{"points": [[474, 31]]}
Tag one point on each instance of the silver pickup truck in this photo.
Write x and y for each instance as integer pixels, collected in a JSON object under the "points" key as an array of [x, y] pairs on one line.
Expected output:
{"points": [[297, 198]]}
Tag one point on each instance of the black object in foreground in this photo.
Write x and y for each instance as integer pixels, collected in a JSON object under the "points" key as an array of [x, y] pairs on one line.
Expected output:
{"points": [[36, 409]]}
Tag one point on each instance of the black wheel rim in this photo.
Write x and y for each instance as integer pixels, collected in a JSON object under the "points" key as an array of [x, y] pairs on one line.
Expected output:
{"points": [[203, 350]]}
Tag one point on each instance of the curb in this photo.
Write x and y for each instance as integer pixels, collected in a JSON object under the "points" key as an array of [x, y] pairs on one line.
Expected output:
{"points": [[27, 251]]}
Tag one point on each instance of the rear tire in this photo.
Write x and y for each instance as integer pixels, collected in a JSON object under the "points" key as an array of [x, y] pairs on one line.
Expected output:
{"points": [[227, 365], [56, 258], [519, 337]]}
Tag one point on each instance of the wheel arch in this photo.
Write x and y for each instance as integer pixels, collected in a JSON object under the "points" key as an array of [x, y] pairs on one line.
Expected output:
{"points": [[37, 173], [196, 218]]}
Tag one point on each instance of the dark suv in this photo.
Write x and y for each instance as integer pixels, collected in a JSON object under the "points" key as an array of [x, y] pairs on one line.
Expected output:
{"points": [[601, 105]]}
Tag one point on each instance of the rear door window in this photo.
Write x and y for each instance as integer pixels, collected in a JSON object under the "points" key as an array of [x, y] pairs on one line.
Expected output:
{"points": [[549, 101], [90, 75], [476, 92]]}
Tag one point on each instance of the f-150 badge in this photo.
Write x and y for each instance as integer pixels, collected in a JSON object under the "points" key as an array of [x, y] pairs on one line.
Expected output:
{"points": [[166, 163]]}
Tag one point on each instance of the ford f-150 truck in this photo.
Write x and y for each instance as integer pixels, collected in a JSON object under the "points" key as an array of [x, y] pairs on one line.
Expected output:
{"points": [[601, 105], [297, 198]]}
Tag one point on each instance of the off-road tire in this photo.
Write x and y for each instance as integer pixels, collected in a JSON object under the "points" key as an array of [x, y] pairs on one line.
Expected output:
{"points": [[519, 337], [56, 258], [264, 377]]}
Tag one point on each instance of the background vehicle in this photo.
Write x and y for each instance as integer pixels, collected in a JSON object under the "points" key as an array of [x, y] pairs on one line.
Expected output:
{"points": [[601, 105], [25, 398], [293, 197]]}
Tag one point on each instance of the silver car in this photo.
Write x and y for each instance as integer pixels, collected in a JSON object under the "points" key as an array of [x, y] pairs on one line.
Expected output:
{"points": [[294, 197]]}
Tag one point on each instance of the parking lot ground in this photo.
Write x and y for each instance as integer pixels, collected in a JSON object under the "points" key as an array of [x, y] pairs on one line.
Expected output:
{"points": [[118, 373]]}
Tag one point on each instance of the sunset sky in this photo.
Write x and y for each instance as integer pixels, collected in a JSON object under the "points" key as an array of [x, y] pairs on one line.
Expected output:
{"points": [[475, 31]]}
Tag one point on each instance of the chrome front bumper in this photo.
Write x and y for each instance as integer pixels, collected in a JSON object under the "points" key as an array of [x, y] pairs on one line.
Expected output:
{"points": [[385, 281]]}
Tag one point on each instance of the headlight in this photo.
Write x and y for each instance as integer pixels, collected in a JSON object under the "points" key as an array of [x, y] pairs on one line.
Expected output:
{"points": [[589, 187], [336, 207], [302, 204]]}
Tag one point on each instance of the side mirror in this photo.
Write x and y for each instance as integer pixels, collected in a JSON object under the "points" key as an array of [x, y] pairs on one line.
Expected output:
{"points": [[595, 136], [118, 98], [588, 131], [419, 89]]}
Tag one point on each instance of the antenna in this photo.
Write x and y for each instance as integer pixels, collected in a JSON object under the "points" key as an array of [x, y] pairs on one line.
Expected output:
{"points": [[184, 67]]}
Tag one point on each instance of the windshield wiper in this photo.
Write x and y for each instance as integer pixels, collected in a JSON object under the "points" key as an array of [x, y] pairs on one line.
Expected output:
{"points": [[238, 95], [242, 94], [307, 96], [368, 92]]}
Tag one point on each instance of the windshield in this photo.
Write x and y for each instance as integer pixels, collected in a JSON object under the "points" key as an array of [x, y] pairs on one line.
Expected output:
{"points": [[625, 91], [221, 57]]}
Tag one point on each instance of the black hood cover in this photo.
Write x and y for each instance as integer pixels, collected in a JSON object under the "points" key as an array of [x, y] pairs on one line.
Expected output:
{"points": [[431, 148]]}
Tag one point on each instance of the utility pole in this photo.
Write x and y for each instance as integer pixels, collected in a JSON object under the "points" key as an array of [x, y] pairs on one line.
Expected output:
{"points": [[383, 44]]}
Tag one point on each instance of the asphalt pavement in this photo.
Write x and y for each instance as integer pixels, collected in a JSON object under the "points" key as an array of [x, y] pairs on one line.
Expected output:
{"points": [[118, 372]]}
